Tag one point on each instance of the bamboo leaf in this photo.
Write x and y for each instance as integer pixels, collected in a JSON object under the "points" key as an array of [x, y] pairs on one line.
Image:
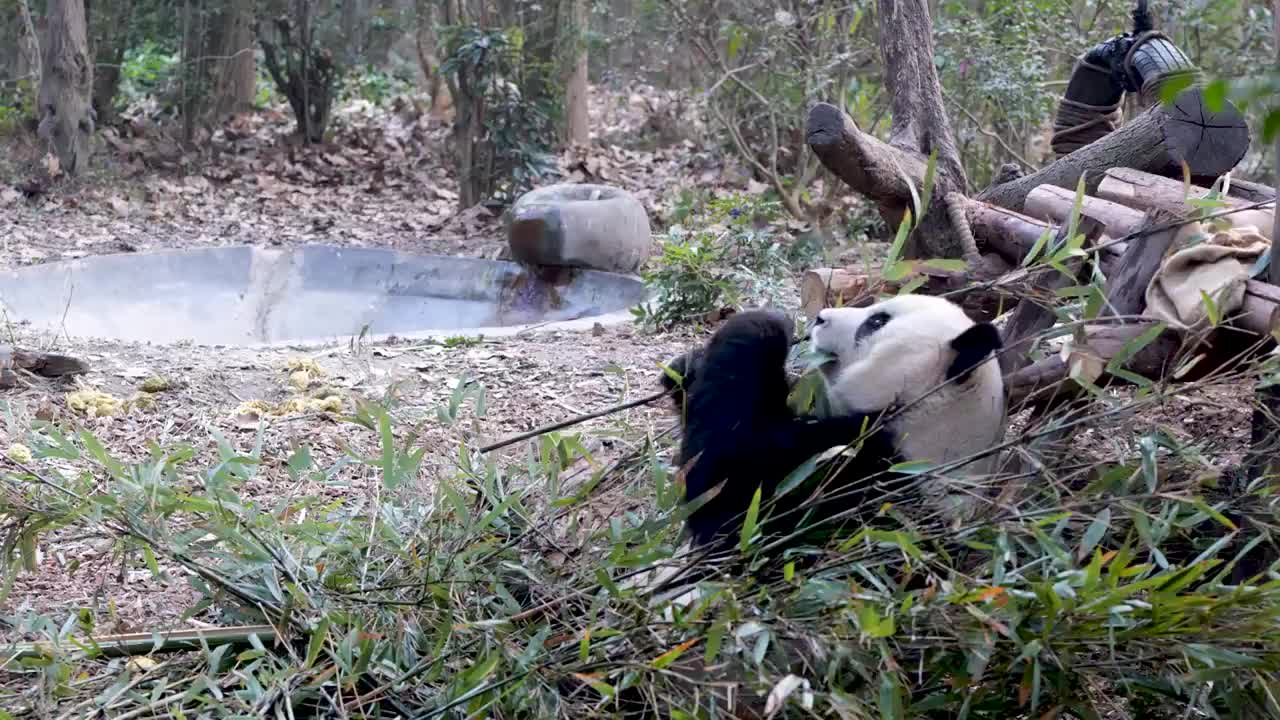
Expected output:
{"points": [[899, 241], [1077, 205], [316, 643], [890, 697], [1211, 309], [1097, 529], [946, 265], [930, 173], [1133, 347], [1038, 248], [749, 526], [674, 653]]}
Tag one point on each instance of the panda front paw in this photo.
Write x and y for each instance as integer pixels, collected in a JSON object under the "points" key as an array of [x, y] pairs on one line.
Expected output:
{"points": [[680, 372]]}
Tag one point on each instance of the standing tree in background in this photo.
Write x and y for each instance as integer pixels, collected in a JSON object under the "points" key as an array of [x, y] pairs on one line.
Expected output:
{"points": [[218, 72], [427, 46], [506, 102], [109, 21], [303, 71], [27, 65], [237, 72], [574, 42], [64, 106]]}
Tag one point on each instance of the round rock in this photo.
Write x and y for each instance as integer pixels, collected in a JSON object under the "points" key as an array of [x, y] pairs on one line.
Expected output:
{"points": [[590, 226]]}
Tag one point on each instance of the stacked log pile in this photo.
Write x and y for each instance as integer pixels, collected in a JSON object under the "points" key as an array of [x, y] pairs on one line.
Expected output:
{"points": [[1129, 221]]}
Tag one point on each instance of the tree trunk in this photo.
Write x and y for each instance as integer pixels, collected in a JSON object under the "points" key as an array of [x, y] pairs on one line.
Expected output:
{"points": [[1157, 141], [574, 42], [196, 70], [920, 122], [353, 14], [237, 73], [65, 103], [303, 71], [378, 37], [29, 63], [107, 22], [426, 43], [920, 128], [468, 126]]}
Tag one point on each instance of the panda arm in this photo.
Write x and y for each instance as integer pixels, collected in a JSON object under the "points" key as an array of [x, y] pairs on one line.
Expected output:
{"points": [[765, 457], [800, 438]]}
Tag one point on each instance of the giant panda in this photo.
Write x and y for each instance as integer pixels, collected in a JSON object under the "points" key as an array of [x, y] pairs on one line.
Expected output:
{"points": [[911, 378]]}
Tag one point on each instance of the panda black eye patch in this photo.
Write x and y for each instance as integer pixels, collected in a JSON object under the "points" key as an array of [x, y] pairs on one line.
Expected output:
{"points": [[872, 324]]}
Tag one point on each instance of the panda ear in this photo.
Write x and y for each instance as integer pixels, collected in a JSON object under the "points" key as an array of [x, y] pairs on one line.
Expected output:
{"points": [[972, 347]]}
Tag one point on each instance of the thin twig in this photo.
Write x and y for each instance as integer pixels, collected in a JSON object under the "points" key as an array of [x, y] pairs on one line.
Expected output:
{"points": [[574, 421], [994, 136]]}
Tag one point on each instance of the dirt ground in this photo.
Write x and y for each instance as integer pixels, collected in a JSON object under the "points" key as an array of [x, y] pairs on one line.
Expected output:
{"points": [[529, 381]]}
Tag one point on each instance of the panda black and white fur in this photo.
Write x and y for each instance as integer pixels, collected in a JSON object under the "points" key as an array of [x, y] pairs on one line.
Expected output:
{"points": [[919, 357]]}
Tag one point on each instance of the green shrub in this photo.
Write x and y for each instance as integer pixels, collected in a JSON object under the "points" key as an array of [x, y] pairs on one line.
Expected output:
{"points": [[150, 70], [735, 256], [373, 85]]}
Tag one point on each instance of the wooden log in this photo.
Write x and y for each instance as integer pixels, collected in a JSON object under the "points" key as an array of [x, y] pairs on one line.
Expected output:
{"points": [[1261, 307], [1004, 231], [1127, 284], [831, 287], [1145, 191], [851, 287], [1158, 141], [1251, 192], [871, 167], [892, 174], [1261, 299], [1033, 317], [1126, 297], [1103, 343], [1053, 204]]}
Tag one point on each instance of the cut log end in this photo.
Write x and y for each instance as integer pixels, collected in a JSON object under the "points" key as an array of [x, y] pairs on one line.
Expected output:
{"points": [[830, 287], [826, 126], [1211, 142]]}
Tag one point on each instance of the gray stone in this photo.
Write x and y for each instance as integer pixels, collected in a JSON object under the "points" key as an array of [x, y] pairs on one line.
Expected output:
{"points": [[590, 226]]}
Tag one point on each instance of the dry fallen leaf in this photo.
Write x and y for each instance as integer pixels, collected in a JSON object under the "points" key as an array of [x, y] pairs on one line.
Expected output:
{"points": [[783, 690], [140, 663]]}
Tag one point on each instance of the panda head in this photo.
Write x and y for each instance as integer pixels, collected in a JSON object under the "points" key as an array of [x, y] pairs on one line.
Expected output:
{"points": [[923, 354]]}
